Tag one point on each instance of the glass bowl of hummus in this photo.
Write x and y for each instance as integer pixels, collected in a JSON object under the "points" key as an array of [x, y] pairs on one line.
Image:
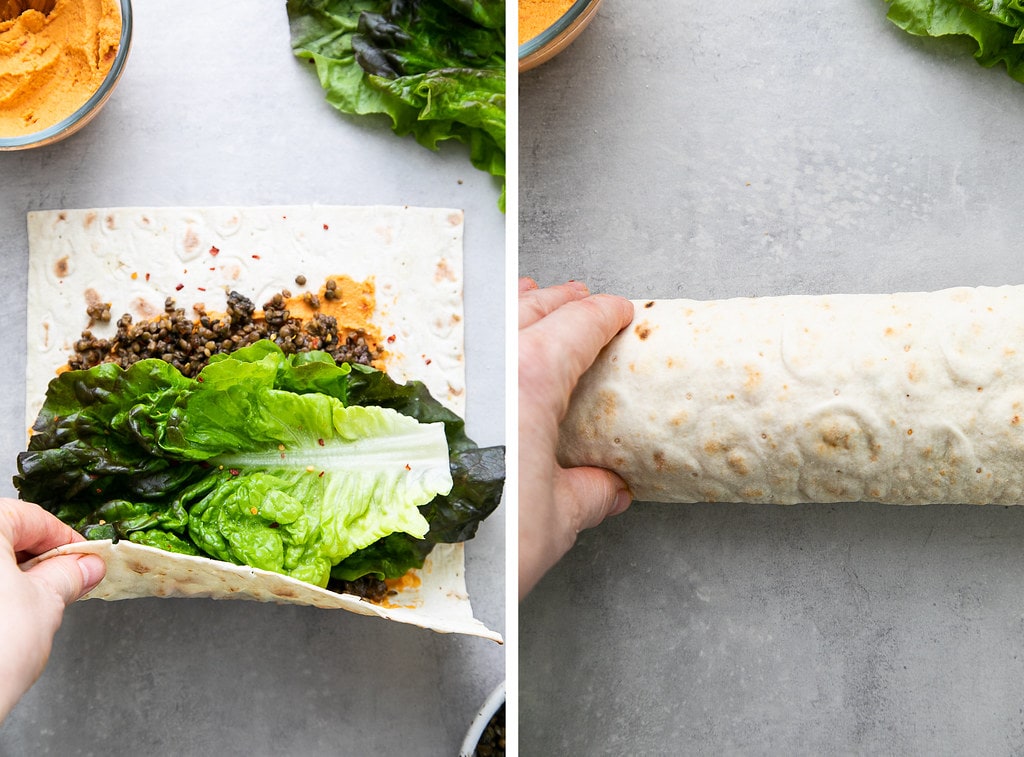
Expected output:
{"points": [[59, 62], [547, 27]]}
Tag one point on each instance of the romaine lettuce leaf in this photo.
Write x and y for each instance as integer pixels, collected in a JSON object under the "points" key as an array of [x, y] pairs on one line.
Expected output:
{"points": [[286, 463], [436, 68], [996, 26]]}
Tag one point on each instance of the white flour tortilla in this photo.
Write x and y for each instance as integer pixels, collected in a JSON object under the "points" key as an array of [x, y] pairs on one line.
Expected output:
{"points": [[136, 257], [909, 398]]}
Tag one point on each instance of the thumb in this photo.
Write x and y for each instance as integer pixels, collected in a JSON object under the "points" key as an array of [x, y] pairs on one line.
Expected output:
{"points": [[69, 576], [593, 495]]}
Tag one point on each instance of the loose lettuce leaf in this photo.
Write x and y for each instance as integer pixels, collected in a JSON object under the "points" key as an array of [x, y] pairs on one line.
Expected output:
{"points": [[436, 68], [997, 27], [286, 463]]}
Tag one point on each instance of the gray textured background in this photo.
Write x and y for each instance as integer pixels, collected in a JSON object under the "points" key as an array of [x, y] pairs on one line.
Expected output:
{"points": [[214, 110], [684, 149]]}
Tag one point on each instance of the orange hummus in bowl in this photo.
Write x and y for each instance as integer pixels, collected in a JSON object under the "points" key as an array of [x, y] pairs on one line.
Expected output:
{"points": [[59, 62], [547, 27]]}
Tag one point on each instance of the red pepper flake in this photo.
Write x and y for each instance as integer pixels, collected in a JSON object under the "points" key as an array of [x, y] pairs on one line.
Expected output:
{"points": [[426, 360], [255, 257], [391, 339], [408, 467], [325, 227], [213, 268], [234, 471], [99, 491], [320, 442], [201, 289], [320, 474], [214, 251], [147, 277], [179, 287], [200, 379]]}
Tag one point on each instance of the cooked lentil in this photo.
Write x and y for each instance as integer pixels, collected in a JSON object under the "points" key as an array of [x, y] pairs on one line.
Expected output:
{"points": [[188, 341]]}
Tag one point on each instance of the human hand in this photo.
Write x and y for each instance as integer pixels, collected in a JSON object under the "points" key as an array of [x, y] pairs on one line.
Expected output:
{"points": [[32, 601], [561, 331]]}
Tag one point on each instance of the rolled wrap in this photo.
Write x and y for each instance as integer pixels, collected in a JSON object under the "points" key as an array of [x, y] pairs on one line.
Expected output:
{"points": [[909, 398]]}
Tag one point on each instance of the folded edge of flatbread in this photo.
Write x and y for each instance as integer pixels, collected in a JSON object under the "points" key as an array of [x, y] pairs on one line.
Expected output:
{"points": [[135, 571]]}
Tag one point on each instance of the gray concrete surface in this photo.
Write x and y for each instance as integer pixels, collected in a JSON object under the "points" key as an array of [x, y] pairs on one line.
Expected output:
{"points": [[214, 109], [684, 149]]}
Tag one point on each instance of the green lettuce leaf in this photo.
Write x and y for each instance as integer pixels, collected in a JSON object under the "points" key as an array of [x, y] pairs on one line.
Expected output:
{"points": [[996, 27], [287, 463], [436, 68]]}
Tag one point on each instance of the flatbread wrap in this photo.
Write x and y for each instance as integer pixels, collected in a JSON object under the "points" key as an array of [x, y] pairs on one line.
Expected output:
{"points": [[909, 398], [298, 470]]}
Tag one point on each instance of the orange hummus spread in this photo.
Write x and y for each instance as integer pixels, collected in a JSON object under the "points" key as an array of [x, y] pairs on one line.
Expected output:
{"points": [[51, 64], [536, 16]]}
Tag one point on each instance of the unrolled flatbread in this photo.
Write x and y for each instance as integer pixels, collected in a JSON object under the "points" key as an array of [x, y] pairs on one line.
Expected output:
{"points": [[136, 257], [909, 398]]}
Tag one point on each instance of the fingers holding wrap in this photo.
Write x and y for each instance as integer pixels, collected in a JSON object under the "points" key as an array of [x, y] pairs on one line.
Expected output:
{"points": [[30, 530], [69, 576], [535, 303], [566, 341], [590, 495]]}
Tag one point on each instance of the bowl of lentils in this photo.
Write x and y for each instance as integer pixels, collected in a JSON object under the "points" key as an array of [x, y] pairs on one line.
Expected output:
{"points": [[486, 734]]}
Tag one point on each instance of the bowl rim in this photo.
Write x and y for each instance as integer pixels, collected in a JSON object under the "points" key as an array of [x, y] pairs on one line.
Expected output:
{"points": [[59, 129], [531, 46], [490, 706]]}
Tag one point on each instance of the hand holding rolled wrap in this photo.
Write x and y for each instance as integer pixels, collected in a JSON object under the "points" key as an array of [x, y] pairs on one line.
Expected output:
{"points": [[909, 398]]}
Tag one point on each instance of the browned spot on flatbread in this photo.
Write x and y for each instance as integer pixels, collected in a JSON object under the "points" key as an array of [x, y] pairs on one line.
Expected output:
{"points": [[836, 438], [607, 404], [753, 378], [659, 461], [110, 222], [62, 216], [643, 330], [443, 271], [61, 267], [191, 241], [143, 309], [713, 447], [285, 592], [92, 297], [738, 463], [136, 567], [649, 304], [454, 219], [89, 220]]}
